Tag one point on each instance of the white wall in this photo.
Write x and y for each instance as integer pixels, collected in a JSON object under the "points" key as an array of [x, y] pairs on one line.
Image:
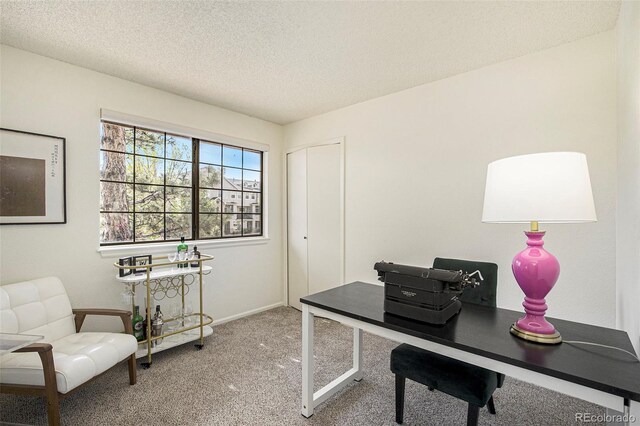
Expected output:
{"points": [[416, 164], [46, 96], [628, 209], [415, 169]]}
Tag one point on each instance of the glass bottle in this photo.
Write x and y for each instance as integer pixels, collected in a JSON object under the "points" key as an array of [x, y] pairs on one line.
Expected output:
{"points": [[144, 326], [196, 255], [137, 321], [145, 323], [156, 326], [182, 248]]}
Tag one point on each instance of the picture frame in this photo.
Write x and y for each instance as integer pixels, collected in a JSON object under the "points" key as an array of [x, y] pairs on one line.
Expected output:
{"points": [[140, 261], [125, 261], [32, 178]]}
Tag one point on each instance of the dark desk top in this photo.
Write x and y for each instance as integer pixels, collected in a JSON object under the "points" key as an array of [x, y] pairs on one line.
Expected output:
{"points": [[484, 331]]}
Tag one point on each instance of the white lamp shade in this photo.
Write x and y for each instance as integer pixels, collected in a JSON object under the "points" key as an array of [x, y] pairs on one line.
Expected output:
{"points": [[546, 187]]}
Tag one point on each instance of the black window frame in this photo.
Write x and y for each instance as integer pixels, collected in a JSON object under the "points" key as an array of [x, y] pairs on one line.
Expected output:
{"points": [[195, 189]]}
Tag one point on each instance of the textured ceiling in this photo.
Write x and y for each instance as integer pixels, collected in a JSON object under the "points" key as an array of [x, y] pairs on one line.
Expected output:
{"points": [[285, 61]]}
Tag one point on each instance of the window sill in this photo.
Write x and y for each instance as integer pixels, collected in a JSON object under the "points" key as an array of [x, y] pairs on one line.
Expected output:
{"points": [[165, 248]]}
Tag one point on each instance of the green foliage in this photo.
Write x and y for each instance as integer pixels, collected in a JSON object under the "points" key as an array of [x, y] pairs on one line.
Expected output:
{"points": [[151, 170], [210, 225], [209, 176], [210, 201]]}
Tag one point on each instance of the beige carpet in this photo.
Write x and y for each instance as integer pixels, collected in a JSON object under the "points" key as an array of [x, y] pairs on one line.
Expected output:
{"points": [[249, 373]]}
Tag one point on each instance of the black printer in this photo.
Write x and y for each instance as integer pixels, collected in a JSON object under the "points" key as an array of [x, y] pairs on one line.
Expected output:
{"points": [[424, 294]]}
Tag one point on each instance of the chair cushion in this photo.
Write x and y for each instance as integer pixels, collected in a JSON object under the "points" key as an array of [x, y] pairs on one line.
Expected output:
{"points": [[456, 378], [77, 357], [39, 307]]}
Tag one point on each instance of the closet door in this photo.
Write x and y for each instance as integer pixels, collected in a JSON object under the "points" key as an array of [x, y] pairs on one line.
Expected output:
{"points": [[297, 227], [323, 217]]}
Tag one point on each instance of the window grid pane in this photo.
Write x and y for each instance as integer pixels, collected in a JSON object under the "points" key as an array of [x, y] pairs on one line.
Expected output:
{"points": [[238, 180], [158, 187]]}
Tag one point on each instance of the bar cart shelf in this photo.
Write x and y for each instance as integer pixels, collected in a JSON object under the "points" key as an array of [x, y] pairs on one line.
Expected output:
{"points": [[173, 341], [165, 279]]}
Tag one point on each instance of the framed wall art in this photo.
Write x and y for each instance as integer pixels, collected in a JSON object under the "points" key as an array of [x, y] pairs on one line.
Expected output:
{"points": [[32, 178], [142, 260], [125, 261]]}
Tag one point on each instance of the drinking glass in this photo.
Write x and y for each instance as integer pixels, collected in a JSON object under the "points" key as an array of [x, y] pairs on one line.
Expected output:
{"points": [[176, 311], [188, 311], [189, 258], [172, 256], [127, 296]]}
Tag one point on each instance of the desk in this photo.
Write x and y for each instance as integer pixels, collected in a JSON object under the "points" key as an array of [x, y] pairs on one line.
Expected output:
{"points": [[479, 335]]}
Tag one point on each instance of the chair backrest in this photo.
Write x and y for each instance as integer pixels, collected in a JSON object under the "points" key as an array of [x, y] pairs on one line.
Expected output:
{"points": [[38, 307], [485, 293]]}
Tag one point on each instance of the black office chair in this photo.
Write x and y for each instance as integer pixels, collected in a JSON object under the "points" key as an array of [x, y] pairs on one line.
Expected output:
{"points": [[464, 381]]}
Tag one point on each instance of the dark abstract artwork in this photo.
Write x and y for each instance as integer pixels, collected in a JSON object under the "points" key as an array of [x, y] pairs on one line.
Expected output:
{"points": [[22, 186], [32, 178]]}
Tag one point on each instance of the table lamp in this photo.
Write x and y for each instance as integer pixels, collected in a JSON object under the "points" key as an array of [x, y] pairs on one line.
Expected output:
{"points": [[552, 187]]}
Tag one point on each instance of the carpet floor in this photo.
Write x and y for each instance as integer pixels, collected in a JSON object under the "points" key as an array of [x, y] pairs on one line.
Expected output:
{"points": [[249, 373]]}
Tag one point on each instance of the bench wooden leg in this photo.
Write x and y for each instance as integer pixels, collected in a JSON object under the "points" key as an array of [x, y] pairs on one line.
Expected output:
{"points": [[51, 387], [400, 385], [472, 415], [491, 406], [132, 370]]}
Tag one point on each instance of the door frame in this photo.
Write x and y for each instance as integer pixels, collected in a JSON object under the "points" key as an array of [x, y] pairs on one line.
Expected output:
{"points": [[285, 201]]}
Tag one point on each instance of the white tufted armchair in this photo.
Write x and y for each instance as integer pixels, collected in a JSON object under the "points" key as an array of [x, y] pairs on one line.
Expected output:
{"points": [[66, 358]]}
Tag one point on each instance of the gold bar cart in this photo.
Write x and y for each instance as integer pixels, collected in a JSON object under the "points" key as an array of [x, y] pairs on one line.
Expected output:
{"points": [[163, 277]]}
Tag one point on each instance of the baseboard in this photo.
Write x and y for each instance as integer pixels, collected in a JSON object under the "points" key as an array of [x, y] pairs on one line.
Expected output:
{"points": [[246, 314]]}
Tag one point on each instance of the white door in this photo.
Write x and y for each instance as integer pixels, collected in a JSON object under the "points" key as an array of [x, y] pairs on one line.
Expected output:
{"points": [[323, 217], [297, 226], [314, 209]]}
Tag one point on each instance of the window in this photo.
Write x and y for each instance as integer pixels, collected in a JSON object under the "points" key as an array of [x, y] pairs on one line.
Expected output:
{"points": [[157, 186]]}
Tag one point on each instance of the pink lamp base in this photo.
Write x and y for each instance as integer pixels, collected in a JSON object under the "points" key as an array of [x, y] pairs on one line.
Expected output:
{"points": [[549, 339], [536, 271]]}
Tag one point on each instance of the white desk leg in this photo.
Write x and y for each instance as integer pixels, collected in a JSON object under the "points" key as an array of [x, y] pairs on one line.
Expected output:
{"points": [[634, 413], [307, 361], [357, 353]]}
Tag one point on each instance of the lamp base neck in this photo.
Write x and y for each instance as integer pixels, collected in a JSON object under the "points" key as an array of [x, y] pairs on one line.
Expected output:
{"points": [[548, 339]]}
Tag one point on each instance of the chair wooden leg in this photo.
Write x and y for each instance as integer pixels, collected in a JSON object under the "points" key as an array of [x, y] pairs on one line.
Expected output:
{"points": [[491, 406], [133, 371], [472, 415], [51, 388], [400, 382]]}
